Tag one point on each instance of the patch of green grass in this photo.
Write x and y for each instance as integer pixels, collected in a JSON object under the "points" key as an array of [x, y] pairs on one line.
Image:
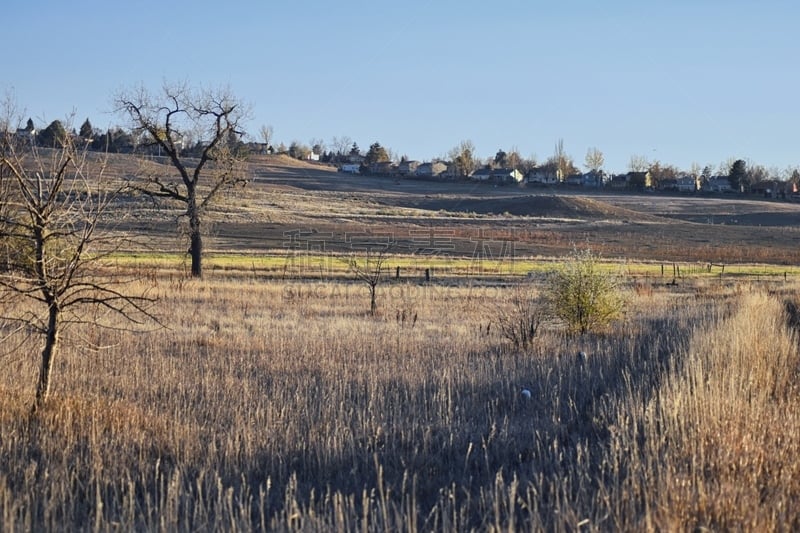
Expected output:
{"points": [[314, 265]]}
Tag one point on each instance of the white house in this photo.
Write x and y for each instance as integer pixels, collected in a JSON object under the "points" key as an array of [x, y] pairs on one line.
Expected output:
{"points": [[543, 176], [717, 184], [686, 184], [506, 175], [350, 168], [430, 170]]}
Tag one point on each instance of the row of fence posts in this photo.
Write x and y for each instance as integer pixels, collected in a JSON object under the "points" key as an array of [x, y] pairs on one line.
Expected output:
{"points": [[676, 272]]}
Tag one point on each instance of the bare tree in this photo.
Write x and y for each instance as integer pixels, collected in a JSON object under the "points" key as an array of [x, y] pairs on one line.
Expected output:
{"points": [[212, 117], [638, 163], [341, 145], [594, 159], [267, 132], [513, 158], [464, 158], [369, 269], [54, 274], [563, 162], [317, 145]]}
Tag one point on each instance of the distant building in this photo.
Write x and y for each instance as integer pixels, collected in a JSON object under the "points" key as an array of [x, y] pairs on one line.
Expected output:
{"points": [[542, 176], [498, 175], [431, 170], [481, 174], [383, 168], [717, 184], [350, 168], [407, 168]]}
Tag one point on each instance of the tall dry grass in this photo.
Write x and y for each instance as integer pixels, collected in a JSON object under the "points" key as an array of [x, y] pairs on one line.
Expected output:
{"points": [[286, 407]]}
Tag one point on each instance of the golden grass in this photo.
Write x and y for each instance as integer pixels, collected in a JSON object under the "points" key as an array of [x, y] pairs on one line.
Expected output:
{"points": [[284, 405]]}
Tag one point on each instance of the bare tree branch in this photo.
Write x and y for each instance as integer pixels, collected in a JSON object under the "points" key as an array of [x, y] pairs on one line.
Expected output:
{"points": [[167, 119], [51, 204]]}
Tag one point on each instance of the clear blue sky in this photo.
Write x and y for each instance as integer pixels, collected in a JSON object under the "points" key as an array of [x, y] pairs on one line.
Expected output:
{"points": [[679, 81]]}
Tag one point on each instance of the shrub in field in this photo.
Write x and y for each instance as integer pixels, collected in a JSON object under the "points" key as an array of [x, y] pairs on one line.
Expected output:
{"points": [[583, 295], [519, 319]]}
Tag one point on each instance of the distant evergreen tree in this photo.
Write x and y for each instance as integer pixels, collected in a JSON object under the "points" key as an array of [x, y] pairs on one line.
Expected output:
{"points": [[738, 174], [29, 125], [53, 135], [376, 154], [501, 159], [86, 132], [116, 141]]}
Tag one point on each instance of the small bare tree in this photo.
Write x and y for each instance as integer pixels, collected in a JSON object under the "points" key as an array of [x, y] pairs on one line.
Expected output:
{"points": [[164, 120], [54, 274], [267, 132], [369, 269]]}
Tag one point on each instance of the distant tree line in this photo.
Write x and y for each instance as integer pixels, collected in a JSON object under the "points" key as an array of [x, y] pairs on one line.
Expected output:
{"points": [[118, 140], [741, 174]]}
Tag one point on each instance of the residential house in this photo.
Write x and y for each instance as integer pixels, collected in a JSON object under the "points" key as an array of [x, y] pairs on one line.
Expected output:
{"points": [[542, 176], [576, 180], [681, 184], [639, 180], [383, 168], [618, 182], [506, 175], [407, 168], [431, 170], [482, 174], [773, 188], [27, 134], [688, 184], [594, 178], [717, 184], [453, 172]]}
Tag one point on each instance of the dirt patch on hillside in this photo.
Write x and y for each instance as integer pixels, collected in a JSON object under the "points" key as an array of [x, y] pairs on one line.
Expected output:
{"points": [[531, 205]]}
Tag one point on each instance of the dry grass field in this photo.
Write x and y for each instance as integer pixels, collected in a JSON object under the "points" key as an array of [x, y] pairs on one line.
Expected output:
{"points": [[272, 403]]}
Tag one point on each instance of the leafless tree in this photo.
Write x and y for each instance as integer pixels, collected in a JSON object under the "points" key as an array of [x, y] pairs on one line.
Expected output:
{"points": [[594, 159], [513, 158], [317, 145], [562, 160], [368, 268], [267, 132], [341, 145], [464, 158], [214, 117], [54, 273], [638, 163]]}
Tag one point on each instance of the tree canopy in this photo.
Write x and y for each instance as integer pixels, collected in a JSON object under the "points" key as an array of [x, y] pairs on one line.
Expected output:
{"points": [[737, 176], [53, 135], [376, 154]]}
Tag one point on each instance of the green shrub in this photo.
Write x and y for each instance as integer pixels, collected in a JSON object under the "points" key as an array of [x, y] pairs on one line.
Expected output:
{"points": [[584, 296]]}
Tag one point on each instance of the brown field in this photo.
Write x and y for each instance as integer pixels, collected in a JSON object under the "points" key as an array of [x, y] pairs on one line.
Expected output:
{"points": [[283, 405]]}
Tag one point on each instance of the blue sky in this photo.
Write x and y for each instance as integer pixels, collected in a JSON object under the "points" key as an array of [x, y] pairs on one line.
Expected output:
{"points": [[682, 81]]}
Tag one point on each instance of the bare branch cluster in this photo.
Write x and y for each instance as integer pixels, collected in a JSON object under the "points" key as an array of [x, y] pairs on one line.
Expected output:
{"points": [[171, 120], [52, 267]]}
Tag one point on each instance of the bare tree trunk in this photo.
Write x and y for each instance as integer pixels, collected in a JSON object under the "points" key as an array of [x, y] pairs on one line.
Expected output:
{"points": [[373, 305], [196, 239], [196, 251], [48, 356]]}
